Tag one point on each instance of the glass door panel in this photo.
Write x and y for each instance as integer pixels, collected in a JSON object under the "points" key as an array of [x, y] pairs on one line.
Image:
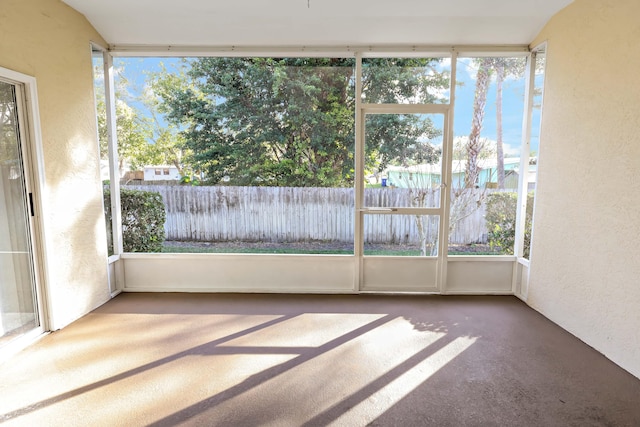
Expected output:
{"points": [[403, 164], [403, 201], [18, 308], [401, 235]]}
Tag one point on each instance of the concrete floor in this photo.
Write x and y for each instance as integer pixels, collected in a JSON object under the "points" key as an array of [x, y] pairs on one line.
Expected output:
{"points": [[290, 360]]}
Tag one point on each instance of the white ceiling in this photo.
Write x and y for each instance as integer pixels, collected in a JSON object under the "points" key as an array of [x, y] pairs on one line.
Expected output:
{"points": [[317, 22]]}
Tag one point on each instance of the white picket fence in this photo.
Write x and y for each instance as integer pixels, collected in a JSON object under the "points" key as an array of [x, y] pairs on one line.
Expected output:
{"points": [[287, 214]]}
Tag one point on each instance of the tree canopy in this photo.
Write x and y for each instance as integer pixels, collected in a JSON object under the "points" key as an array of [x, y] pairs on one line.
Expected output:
{"points": [[9, 150], [142, 138], [291, 121]]}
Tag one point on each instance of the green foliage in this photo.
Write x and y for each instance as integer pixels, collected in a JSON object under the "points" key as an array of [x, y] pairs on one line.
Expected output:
{"points": [[189, 180], [501, 221], [142, 140], [291, 121], [9, 149], [168, 144], [143, 218], [133, 130]]}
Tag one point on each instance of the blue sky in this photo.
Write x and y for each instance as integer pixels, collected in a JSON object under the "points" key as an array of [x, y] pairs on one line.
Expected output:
{"points": [[135, 69]]}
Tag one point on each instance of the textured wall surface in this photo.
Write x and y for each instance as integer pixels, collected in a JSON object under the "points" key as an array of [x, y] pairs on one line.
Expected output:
{"points": [[50, 41], [585, 265]]}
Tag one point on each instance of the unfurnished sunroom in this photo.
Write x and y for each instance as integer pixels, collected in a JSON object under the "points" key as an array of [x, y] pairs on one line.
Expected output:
{"points": [[364, 127]]}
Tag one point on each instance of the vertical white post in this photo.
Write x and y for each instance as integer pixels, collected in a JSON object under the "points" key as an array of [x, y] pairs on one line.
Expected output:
{"points": [[445, 189], [358, 235], [523, 180], [114, 172]]}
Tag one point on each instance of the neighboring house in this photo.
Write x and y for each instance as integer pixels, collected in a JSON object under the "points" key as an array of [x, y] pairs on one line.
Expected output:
{"points": [[423, 176], [161, 173], [488, 175], [511, 180], [426, 175]]}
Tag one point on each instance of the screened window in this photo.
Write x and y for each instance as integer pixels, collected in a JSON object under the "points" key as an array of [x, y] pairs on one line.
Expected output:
{"points": [[485, 166]]}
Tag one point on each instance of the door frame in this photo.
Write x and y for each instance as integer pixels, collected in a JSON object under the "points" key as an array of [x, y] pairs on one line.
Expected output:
{"points": [[361, 110], [417, 265], [33, 164]]}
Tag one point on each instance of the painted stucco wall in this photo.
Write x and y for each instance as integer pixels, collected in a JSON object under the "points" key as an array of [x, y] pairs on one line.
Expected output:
{"points": [[50, 41], [585, 259]]}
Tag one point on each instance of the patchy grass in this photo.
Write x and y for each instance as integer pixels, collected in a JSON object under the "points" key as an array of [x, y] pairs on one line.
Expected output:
{"points": [[236, 250], [309, 248]]}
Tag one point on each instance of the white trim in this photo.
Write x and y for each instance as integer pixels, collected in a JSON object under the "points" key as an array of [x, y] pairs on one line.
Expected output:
{"points": [[521, 212], [317, 51], [405, 109], [99, 51], [445, 192], [372, 210], [232, 290], [482, 258], [436, 283], [526, 263], [358, 223], [542, 47], [37, 184], [481, 293], [206, 272], [98, 46], [112, 138]]}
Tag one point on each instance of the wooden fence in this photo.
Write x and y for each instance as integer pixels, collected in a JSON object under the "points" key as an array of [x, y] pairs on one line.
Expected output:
{"points": [[286, 214]]}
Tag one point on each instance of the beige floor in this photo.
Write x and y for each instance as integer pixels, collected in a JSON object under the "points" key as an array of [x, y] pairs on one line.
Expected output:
{"points": [[288, 360]]}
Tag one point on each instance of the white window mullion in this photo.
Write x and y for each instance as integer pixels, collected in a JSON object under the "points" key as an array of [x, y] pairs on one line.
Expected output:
{"points": [[521, 213], [445, 193], [112, 141], [358, 234]]}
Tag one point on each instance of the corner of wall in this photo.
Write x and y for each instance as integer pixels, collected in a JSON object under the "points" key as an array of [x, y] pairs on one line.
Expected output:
{"points": [[50, 41], [584, 267]]}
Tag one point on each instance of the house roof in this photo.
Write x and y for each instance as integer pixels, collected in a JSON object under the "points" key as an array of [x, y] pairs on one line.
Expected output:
{"points": [[311, 23], [160, 167], [457, 166]]}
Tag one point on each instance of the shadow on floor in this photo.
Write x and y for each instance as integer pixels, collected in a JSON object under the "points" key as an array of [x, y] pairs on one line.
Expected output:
{"points": [[211, 359]]}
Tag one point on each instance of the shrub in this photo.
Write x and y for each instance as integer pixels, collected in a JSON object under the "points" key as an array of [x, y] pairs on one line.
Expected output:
{"points": [[143, 218], [501, 221]]}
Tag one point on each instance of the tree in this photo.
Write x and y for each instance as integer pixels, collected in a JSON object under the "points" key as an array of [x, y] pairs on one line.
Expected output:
{"points": [[487, 149], [474, 145], [168, 143], [504, 67], [423, 192], [290, 121], [500, 75], [132, 128], [467, 200], [9, 153], [501, 221], [142, 138]]}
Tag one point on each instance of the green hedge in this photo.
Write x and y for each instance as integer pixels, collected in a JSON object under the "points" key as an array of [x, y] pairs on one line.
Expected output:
{"points": [[143, 218], [501, 221]]}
